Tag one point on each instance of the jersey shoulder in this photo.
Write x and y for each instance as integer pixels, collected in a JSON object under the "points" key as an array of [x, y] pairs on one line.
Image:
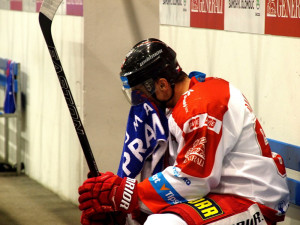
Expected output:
{"points": [[210, 97]]}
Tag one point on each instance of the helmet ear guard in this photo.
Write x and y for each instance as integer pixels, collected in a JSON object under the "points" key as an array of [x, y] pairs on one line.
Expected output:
{"points": [[149, 85]]}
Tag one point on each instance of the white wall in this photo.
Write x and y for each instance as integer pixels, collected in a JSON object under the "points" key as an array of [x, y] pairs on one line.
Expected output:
{"points": [[51, 151], [265, 68]]}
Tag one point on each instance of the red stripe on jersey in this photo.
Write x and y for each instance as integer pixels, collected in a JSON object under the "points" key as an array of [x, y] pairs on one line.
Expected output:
{"points": [[262, 140], [148, 195], [206, 101], [266, 150], [264, 144]]}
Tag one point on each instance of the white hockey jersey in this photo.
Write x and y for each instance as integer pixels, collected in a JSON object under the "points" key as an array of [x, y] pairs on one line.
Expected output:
{"points": [[218, 146]]}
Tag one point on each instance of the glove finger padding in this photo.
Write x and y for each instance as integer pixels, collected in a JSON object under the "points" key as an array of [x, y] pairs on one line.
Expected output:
{"points": [[108, 193], [94, 193]]}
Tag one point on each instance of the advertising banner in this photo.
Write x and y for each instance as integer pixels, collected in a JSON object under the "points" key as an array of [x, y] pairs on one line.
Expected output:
{"points": [[245, 16], [283, 17], [67, 7], [4, 4], [175, 12], [75, 7], [16, 5], [207, 14], [275, 17]]}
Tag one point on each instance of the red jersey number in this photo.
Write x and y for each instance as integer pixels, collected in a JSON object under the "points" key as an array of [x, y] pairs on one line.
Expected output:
{"points": [[266, 150]]}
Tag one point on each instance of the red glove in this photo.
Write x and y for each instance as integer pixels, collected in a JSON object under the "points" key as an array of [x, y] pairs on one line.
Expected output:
{"points": [[108, 193]]}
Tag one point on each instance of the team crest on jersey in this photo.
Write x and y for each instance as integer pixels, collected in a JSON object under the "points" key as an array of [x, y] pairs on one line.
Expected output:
{"points": [[206, 208], [196, 154]]}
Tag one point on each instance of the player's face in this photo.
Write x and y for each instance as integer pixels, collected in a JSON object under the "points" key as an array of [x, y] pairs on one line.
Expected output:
{"points": [[137, 95], [161, 95]]}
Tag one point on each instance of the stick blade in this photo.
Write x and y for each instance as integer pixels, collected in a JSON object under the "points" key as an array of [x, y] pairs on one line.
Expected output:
{"points": [[49, 8]]}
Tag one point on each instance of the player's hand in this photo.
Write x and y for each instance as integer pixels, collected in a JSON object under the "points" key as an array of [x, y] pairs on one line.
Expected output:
{"points": [[108, 193], [104, 219]]}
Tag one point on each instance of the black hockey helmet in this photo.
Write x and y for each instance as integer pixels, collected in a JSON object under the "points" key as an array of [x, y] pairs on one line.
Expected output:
{"points": [[148, 60]]}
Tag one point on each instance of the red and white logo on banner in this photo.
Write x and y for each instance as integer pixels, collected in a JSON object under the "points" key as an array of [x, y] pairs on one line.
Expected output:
{"points": [[207, 14], [283, 17]]}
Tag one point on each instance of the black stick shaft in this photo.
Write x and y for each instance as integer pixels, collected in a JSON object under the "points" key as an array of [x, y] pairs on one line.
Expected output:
{"points": [[45, 24]]}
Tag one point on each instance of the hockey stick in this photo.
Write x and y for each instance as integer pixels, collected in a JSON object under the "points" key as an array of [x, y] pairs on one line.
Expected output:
{"points": [[46, 15]]}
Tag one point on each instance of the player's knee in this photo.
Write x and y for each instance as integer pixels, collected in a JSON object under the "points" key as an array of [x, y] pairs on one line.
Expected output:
{"points": [[163, 219]]}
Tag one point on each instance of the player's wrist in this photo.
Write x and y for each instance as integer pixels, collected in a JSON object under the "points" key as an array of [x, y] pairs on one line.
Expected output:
{"points": [[125, 198]]}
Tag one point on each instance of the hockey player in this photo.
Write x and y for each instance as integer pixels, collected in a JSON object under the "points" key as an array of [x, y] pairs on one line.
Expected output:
{"points": [[221, 168]]}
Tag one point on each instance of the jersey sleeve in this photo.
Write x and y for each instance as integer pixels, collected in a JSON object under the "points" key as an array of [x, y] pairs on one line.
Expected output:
{"points": [[202, 141]]}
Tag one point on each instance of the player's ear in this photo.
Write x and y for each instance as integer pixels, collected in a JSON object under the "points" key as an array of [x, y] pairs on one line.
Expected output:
{"points": [[163, 84]]}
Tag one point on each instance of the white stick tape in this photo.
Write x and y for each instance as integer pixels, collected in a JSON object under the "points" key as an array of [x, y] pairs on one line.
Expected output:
{"points": [[49, 8]]}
